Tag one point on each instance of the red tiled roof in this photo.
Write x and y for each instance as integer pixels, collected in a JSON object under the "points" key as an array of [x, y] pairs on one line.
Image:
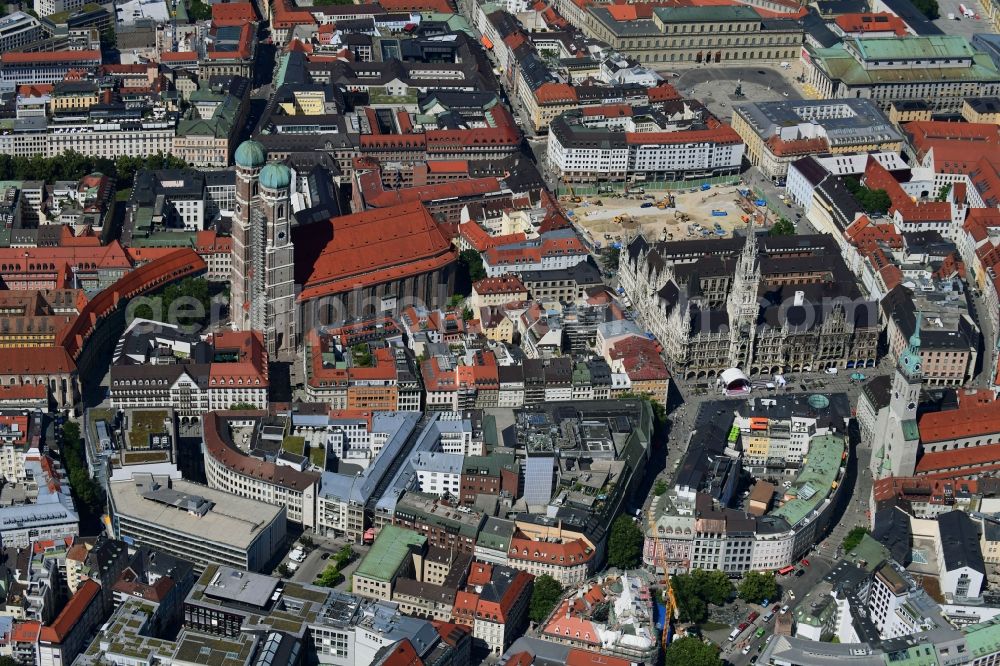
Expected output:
{"points": [[27, 392], [376, 196], [243, 47], [179, 56], [505, 284], [555, 93], [481, 241], [932, 490], [71, 613], [608, 110], [569, 553], [402, 653], [217, 446], [181, 263], [448, 166], [286, 15], [578, 657], [973, 421], [41, 361], [872, 22], [34, 89], [640, 358], [369, 248], [724, 134], [233, 13], [663, 92], [26, 632], [572, 627], [442, 6], [878, 177], [20, 57], [965, 461]]}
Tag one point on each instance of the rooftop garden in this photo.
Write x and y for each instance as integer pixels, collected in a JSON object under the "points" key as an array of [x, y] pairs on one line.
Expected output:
{"points": [[317, 456], [294, 444], [144, 424]]}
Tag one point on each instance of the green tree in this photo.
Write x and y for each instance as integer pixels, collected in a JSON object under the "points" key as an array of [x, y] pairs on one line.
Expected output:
{"points": [[109, 39], [237, 406], [330, 576], [362, 355], [88, 493], [467, 314], [782, 227], [853, 538], [199, 11], [873, 201], [659, 488], [942, 194], [713, 586], [544, 597], [283, 570], [343, 556], [694, 591], [455, 300], [691, 651], [625, 544], [928, 8], [473, 263], [613, 257], [757, 586]]}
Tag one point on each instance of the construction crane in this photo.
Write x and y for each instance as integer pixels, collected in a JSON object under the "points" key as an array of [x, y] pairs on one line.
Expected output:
{"points": [[671, 612]]}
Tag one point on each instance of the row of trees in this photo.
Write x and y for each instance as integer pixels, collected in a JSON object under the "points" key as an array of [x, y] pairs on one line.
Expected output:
{"points": [[88, 494], [189, 295], [696, 590], [71, 165]]}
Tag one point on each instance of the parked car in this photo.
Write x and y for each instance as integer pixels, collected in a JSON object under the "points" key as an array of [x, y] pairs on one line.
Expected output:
{"points": [[746, 650], [648, 204], [799, 574], [805, 562], [752, 616]]}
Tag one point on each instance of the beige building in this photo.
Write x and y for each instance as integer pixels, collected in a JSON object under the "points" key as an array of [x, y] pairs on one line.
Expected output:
{"points": [[948, 337], [497, 291], [981, 110], [696, 34], [396, 553], [909, 110], [778, 133]]}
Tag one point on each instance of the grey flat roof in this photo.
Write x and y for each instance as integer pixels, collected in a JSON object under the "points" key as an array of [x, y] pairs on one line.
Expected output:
{"points": [[233, 520], [244, 587]]}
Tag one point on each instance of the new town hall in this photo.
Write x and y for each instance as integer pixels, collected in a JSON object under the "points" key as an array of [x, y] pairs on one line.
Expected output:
{"points": [[780, 304]]}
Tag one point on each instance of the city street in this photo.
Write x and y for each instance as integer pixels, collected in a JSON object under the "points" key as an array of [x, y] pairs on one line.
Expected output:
{"points": [[761, 184], [849, 512]]}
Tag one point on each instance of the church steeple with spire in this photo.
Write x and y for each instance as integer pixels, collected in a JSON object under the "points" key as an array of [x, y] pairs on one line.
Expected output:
{"points": [[900, 434], [742, 306]]}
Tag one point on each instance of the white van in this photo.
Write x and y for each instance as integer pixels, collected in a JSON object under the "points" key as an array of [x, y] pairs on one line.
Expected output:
{"points": [[297, 555], [734, 633]]}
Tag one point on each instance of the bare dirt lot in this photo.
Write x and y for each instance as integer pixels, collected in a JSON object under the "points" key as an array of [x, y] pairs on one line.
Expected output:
{"points": [[691, 217]]}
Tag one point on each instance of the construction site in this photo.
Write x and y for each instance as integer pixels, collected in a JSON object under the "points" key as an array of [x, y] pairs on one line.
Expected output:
{"points": [[701, 212]]}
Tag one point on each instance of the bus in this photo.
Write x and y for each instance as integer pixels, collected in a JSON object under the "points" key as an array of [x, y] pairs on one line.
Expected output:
{"points": [[786, 570]]}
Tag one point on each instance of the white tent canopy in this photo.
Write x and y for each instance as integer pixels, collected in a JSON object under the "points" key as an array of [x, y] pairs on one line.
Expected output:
{"points": [[733, 379]]}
